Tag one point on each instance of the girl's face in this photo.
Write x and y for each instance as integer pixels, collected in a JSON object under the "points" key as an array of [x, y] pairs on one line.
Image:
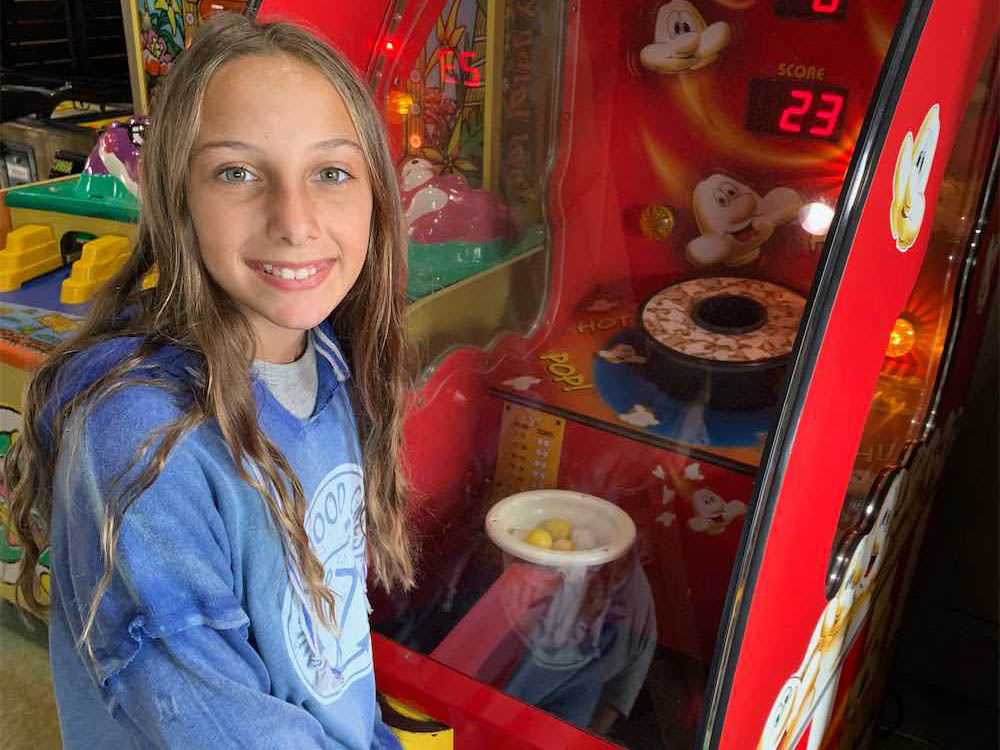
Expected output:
{"points": [[280, 196]]}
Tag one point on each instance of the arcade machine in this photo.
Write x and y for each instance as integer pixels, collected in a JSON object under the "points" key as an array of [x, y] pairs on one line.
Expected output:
{"points": [[160, 30], [70, 69], [61, 239], [63, 76], [696, 286], [696, 297]]}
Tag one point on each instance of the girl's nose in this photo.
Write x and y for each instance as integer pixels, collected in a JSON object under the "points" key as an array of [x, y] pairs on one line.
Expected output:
{"points": [[293, 220]]}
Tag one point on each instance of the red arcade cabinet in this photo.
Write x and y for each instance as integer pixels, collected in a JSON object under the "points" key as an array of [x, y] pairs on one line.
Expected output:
{"points": [[715, 270]]}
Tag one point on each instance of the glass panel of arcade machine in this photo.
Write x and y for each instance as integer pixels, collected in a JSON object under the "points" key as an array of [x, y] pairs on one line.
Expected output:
{"points": [[472, 117], [916, 355], [657, 180]]}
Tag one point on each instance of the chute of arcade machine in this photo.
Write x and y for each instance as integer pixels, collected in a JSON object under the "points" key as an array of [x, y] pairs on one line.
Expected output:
{"points": [[628, 203]]}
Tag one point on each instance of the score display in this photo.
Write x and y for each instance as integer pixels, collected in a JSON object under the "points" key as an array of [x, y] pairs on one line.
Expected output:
{"points": [[811, 8], [797, 108], [460, 68]]}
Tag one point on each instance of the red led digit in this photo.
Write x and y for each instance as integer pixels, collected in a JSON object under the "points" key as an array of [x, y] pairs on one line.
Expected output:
{"points": [[795, 110], [826, 6], [827, 116], [465, 59], [447, 65]]}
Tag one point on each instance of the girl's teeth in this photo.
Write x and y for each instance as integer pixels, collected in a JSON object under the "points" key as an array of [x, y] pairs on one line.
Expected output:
{"points": [[289, 274]]}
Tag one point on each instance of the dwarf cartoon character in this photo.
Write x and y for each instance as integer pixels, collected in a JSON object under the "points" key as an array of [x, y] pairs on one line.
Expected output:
{"points": [[683, 41], [777, 720], [838, 626], [793, 704], [834, 640], [522, 383], [713, 514], [807, 695], [621, 353], [735, 221], [640, 416], [913, 166], [878, 540]]}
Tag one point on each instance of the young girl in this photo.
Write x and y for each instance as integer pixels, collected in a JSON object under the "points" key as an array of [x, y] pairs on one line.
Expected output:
{"points": [[206, 456]]}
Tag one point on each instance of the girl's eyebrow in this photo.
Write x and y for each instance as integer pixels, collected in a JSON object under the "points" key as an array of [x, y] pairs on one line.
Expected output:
{"points": [[335, 143], [244, 146]]}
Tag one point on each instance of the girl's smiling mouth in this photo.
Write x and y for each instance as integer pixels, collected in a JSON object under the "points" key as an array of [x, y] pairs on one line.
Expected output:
{"points": [[292, 276]]}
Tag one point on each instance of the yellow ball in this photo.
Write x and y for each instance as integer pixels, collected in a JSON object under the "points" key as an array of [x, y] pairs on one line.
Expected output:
{"points": [[564, 545], [539, 538], [558, 528]]}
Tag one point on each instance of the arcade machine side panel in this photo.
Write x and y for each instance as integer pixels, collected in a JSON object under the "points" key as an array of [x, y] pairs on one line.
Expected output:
{"points": [[935, 416], [911, 424], [769, 651]]}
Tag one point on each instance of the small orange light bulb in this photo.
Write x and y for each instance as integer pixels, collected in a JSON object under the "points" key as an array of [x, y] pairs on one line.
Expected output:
{"points": [[399, 102], [416, 141], [901, 339], [656, 222]]}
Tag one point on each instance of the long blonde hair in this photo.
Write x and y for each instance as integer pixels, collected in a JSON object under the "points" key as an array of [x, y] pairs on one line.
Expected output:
{"points": [[187, 308]]}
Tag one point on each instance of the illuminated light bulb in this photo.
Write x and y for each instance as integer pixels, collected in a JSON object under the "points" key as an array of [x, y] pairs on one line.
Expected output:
{"points": [[901, 339], [399, 102], [815, 218], [389, 46], [656, 222], [416, 141]]}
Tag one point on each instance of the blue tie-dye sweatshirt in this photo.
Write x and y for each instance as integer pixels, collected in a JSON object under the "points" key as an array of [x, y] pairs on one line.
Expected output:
{"points": [[204, 638]]}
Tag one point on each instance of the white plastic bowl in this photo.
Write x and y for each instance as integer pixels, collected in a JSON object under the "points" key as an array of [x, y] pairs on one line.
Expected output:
{"points": [[513, 517]]}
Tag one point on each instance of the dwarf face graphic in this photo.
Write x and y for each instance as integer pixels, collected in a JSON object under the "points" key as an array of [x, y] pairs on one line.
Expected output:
{"points": [[913, 166], [683, 41]]}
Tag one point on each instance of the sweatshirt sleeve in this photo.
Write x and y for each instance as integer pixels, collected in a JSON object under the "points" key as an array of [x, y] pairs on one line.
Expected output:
{"points": [[205, 688], [172, 657]]}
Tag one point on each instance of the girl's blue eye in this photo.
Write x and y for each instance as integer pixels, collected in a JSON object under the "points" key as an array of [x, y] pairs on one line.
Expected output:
{"points": [[335, 175], [236, 174]]}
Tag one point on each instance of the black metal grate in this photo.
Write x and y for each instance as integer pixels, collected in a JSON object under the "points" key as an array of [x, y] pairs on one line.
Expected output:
{"points": [[57, 41]]}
